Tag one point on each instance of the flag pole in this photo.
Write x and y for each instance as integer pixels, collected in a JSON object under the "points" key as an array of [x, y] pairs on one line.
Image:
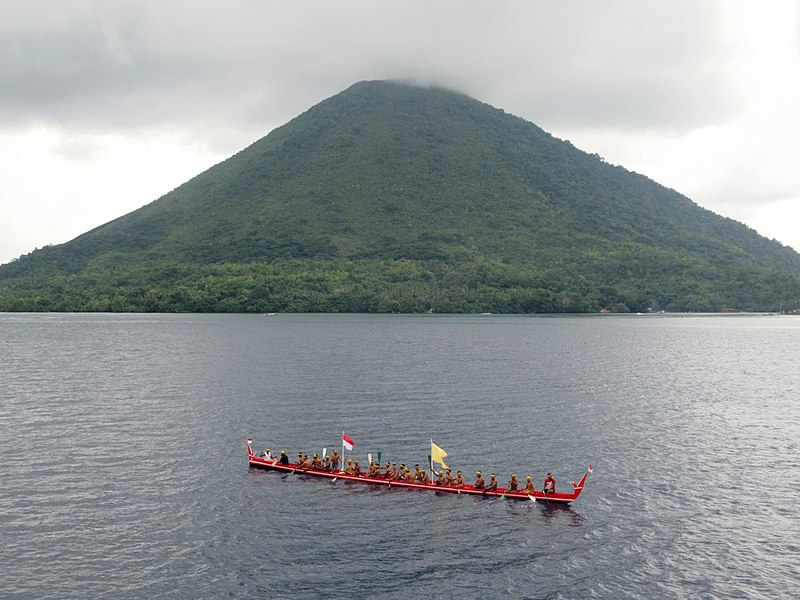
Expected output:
{"points": [[430, 457], [342, 467]]}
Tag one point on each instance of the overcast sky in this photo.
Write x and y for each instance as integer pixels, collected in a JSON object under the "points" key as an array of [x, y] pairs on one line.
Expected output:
{"points": [[105, 106]]}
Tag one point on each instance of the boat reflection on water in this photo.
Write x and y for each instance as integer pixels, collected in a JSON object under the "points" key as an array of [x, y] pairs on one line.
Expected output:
{"points": [[551, 511]]}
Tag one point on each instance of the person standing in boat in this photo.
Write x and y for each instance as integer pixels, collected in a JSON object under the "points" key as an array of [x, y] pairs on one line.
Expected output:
{"points": [[492, 487], [513, 484], [335, 460], [284, 460], [529, 485], [479, 482], [549, 484]]}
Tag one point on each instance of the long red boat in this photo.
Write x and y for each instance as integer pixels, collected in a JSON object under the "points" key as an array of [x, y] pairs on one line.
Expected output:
{"points": [[537, 496]]}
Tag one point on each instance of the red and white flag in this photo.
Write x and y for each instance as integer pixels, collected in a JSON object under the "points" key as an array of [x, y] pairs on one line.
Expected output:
{"points": [[347, 442]]}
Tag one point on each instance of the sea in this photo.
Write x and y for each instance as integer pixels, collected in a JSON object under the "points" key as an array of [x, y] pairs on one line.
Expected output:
{"points": [[124, 473]]}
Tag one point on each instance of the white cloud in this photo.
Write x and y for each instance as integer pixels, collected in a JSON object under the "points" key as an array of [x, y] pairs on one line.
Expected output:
{"points": [[57, 185]]}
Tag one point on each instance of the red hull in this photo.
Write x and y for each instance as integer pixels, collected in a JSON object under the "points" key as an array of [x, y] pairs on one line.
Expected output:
{"points": [[538, 496]]}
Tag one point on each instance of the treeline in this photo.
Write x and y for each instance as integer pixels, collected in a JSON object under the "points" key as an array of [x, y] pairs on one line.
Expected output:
{"points": [[402, 286]]}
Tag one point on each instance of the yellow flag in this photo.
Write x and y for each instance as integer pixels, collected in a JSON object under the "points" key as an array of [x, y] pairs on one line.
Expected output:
{"points": [[438, 455]]}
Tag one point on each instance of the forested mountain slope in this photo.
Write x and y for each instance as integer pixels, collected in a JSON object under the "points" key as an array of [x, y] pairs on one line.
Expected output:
{"points": [[389, 197]]}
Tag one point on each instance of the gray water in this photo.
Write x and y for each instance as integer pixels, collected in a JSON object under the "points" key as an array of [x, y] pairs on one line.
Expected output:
{"points": [[124, 472]]}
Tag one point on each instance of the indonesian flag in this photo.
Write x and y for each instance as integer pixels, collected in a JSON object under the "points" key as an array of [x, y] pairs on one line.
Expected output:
{"points": [[347, 442], [438, 454]]}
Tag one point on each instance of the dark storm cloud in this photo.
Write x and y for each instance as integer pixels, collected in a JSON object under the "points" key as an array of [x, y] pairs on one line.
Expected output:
{"points": [[253, 65]]}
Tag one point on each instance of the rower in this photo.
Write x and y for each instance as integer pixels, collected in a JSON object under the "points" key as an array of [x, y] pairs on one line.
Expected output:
{"points": [[349, 468], [448, 477], [479, 482], [513, 484], [529, 486], [387, 469], [327, 465], [549, 484], [441, 479], [316, 463], [393, 472], [459, 482], [416, 473], [423, 477], [408, 476], [492, 487], [266, 455], [284, 460], [356, 468]]}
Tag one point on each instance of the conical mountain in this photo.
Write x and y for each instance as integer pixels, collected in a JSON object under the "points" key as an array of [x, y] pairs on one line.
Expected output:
{"points": [[394, 197]]}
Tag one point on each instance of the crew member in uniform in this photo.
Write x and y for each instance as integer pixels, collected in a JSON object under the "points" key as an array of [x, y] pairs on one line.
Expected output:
{"points": [[549, 484]]}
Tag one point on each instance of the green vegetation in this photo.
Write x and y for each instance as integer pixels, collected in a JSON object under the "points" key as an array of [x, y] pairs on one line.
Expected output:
{"points": [[391, 198]]}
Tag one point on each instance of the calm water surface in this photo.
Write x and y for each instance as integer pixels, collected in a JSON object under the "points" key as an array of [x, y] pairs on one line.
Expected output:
{"points": [[124, 475]]}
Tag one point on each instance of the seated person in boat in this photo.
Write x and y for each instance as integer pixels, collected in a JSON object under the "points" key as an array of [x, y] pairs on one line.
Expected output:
{"points": [[316, 463], [423, 477], [266, 455], [284, 460], [492, 486], [299, 459], [335, 461], [479, 482], [441, 479], [305, 462], [373, 470], [327, 464], [459, 481], [393, 474], [513, 484], [348, 470], [448, 477], [549, 484], [416, 473], [356, 468], [387, 470], [408, 476], [529, 485]]}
